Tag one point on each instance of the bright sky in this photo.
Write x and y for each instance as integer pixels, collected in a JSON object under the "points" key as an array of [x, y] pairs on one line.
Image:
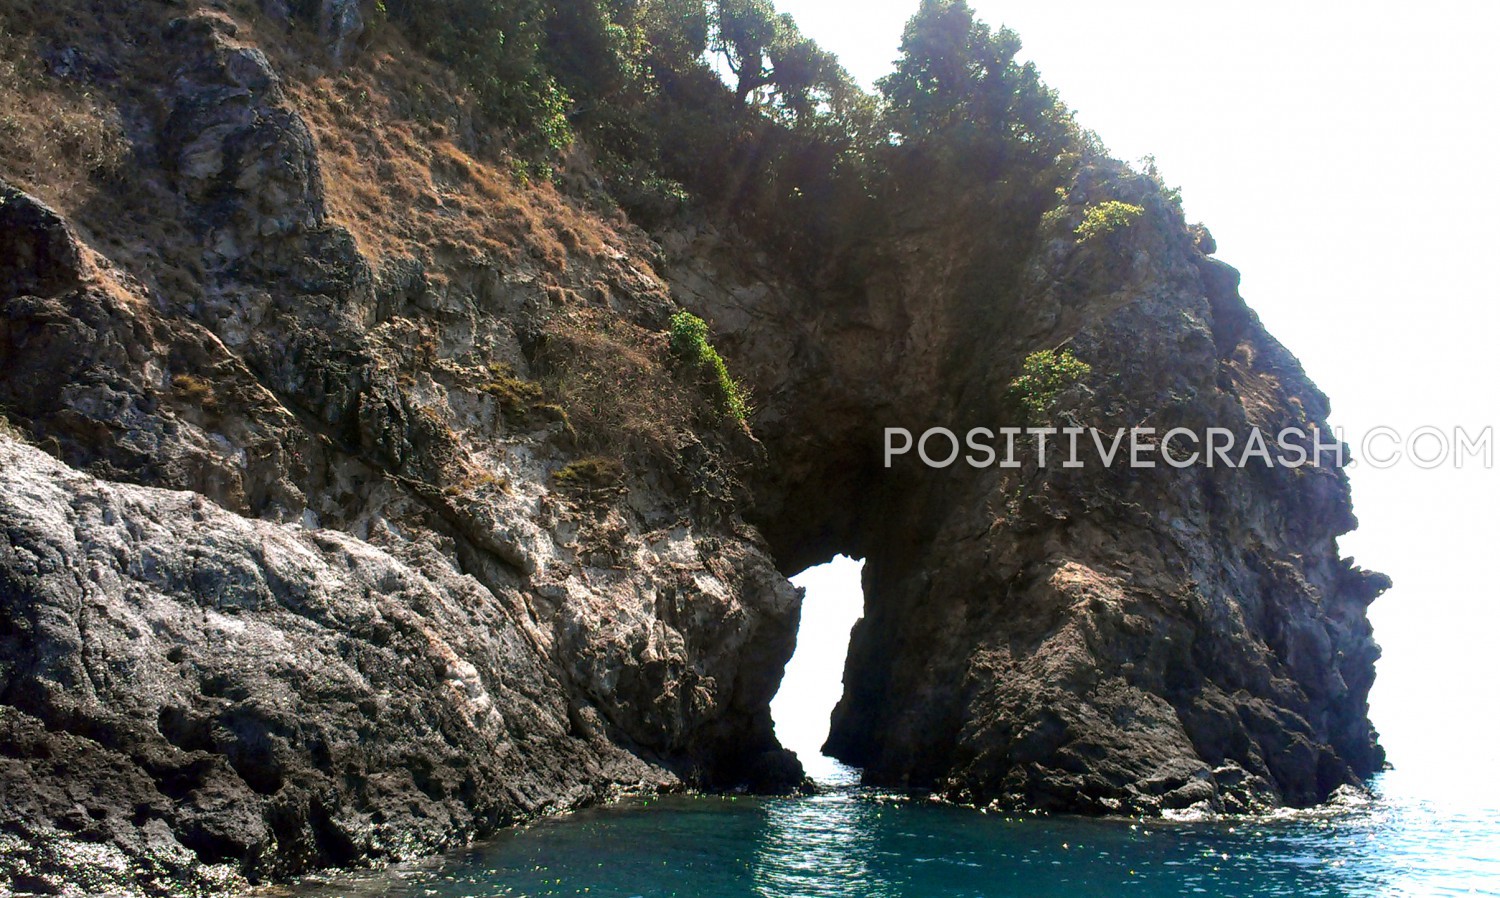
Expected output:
{"points": [[1340, 152]]}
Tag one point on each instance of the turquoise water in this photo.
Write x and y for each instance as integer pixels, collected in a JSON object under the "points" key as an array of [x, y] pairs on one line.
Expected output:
{"points": [[853, 842]]}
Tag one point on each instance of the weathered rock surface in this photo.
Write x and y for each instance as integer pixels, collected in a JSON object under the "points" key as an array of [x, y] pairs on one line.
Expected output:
{"points": [[187, 687], [190, 695], [278, 697], [304, 565], [286, 579], [1102, 639]]}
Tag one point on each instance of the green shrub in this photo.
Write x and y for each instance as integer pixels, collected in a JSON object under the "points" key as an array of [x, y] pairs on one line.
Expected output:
{"points": [[959, 89], [1044, 374], [1053, 218], [690, 347], [1108, 217]]}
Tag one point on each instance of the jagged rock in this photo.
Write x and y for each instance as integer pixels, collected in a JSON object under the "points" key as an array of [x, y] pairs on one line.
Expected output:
{"points": [[341, 25], [288, 580], [239, 152], [255, 699], [236, 670], [523, 675], [1099, 640], [1203, 239], [38, 256]]}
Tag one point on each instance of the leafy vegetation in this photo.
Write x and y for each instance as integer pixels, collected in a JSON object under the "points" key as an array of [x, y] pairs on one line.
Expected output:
{"points": [[1044, 374], [785, 143], [1108, 217], [957, 87], [690, 347], [725, 105], [772, 62]]}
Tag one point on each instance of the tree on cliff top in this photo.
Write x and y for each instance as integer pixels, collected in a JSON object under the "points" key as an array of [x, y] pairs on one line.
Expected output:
{"points": [[957, 87], [743, 32], [675, 34], [766, 50], [791, 147]]}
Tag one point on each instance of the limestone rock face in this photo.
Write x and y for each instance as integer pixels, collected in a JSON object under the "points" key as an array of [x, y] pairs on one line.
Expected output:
{"points": [[40, 256], [188, 687], [279, 697], [256, 698]]}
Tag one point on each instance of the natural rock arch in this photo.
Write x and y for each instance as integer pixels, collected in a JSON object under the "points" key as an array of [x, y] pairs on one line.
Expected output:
{"points": [[301, 582], [1097, 640]]}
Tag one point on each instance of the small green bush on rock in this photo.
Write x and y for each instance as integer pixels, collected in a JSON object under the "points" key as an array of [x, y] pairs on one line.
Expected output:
{"points": [[1044, 374], [690, 347], [1108, 217], [516, 395]]}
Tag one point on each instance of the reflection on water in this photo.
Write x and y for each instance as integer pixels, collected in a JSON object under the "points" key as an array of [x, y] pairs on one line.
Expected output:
{"points": [[852, 842], [822, 845]]}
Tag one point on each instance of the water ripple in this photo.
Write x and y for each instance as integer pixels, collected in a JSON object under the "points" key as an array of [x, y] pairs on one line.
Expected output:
{"points": [[857, 844]]}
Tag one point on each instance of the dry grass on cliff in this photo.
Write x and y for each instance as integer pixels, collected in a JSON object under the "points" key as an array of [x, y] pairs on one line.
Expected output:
{"points": [[7, 429], [396, 142], [396, 137], [392, 130], [58, 139], [64, 141], [612, 377]]}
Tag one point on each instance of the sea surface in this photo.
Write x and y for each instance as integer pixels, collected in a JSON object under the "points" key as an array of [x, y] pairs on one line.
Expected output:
{"points": [[1433, 836]]}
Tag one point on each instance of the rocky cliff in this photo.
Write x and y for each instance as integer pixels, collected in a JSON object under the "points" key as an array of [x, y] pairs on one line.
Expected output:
{"points": [[1103, 639], [355, 507]]}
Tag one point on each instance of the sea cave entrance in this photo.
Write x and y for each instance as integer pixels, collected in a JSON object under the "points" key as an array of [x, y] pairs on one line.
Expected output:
{"points": [[813, 682]]}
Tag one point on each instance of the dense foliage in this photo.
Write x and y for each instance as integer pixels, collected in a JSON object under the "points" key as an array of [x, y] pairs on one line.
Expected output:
{"points": [[958, 90], [727, 103]]}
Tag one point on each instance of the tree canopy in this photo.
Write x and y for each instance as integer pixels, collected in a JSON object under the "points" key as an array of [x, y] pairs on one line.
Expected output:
{"points": [[728, 102], [957, 81]]}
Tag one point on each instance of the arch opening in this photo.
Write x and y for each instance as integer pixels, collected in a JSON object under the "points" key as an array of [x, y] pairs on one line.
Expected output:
{"points": [[813, 681]]}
